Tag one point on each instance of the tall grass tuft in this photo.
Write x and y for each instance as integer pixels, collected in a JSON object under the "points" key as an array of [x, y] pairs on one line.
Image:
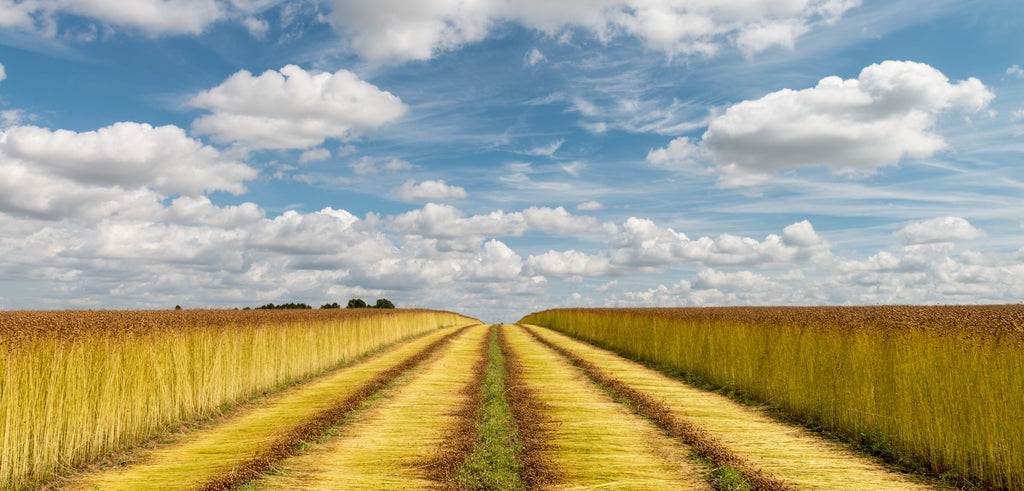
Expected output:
{"points": [[939, 386], [77, 385]]}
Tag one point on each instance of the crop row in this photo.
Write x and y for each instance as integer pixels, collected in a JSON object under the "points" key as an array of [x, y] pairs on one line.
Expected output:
{"points": [[77, 385], [500, 407], [935, 387]]}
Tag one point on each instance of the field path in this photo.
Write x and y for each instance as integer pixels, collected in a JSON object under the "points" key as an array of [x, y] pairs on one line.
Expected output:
{"points": [[800, 459], [251, 441], [581, 418], [394, 443], [595, 441]]}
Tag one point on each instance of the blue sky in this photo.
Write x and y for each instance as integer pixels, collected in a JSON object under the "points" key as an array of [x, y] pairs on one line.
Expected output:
{"points": [[497, 158]]}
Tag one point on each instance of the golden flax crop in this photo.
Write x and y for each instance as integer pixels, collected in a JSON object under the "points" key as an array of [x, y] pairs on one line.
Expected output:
{"points": [[77, 385], [936, 385], [594, 441], [791, 454], [389, 444]]}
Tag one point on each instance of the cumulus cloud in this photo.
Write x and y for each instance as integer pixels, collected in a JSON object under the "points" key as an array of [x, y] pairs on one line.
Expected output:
{"points": [[3, 73], [679, 154], [569, 264], [293, 108], [494, 262], [857, 125], [1015, 71], [428, 191], [942, 229], [151, 17], [126, 154], [195, 252], [641, 243], [447, 222], [397, 31]]}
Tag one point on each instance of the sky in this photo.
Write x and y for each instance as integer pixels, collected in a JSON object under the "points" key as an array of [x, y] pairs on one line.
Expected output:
{"points": [[499, 157]]}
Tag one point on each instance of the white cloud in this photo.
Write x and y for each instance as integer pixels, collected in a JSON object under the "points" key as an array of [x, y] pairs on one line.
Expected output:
{"points": [[1015, 71], [447, 222], [196, 253], [760, 37], [495, 262], [589, 206], [124, 154], [186, 210], [679, 154], [3, 73], [885, 115], [429, 191], [545, 150], [534, 57], [641, 243], [15, 117], [709, 279], [568, 264], [942, 229], [314, 155], [151, 17], [367, 166], [560, 221], [154, 17], [1017, 115], [394, 30], [293, 108], [257, 27]]}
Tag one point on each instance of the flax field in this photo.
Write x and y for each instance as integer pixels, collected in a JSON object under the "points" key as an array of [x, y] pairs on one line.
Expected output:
{"points": [[75, 385], [931, 386]]}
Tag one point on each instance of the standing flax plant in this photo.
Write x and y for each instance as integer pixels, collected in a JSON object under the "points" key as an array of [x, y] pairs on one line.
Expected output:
{"points": [[938, 386], [77, 385]]}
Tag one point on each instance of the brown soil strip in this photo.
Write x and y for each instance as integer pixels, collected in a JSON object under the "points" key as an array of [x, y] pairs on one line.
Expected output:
{"points": [[531, 427], [460, 437], [703, 443], [316, 425]]}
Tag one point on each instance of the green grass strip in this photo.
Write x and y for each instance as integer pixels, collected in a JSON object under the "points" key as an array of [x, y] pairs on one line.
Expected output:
{"points": [[493, 463]]}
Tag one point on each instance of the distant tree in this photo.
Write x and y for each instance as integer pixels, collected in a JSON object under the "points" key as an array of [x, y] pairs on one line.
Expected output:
{"points": [[289, 305], [332, 305], [383, 303], [177, 307], [357, 303]]}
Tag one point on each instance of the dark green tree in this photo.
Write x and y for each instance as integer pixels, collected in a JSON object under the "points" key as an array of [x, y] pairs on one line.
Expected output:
{"points": [[383, 303], [332, 305], [289, 305], [357, 303]]}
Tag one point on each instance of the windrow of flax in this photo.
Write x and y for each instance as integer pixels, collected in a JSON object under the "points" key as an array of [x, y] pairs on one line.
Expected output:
{"points": [[76, 385], [936, 385]]}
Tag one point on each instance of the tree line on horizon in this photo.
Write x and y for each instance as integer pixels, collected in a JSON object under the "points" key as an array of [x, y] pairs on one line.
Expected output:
{"points": [[355, 303]]}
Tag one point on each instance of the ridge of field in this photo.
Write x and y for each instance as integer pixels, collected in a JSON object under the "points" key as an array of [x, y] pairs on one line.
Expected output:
{"points": [[78, 385], [217, 453], [927, 385], [493, 462], [391, 444], [793, 454], [595, 441]]}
